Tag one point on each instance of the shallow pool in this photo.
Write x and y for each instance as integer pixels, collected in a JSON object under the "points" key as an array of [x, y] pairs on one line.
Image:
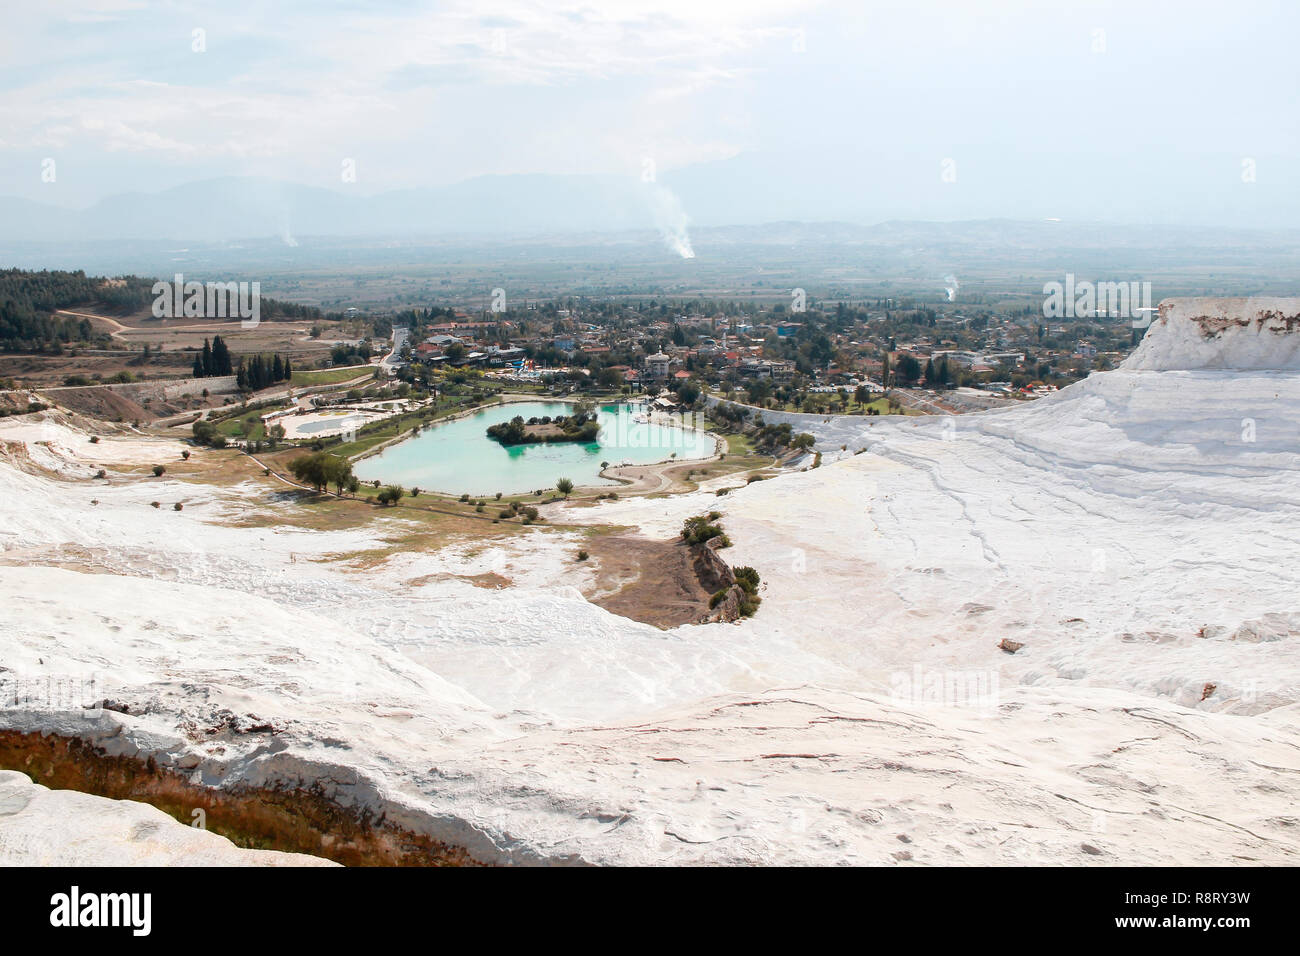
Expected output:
{"points": [[459, 457]]}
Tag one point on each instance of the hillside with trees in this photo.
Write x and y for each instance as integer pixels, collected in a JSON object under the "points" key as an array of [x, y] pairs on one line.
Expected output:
{"points": [[29, 301]]}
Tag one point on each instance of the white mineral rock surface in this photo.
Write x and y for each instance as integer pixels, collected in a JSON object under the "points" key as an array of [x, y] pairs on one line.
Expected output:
{"points": [[43, 827], [1138, 533]]}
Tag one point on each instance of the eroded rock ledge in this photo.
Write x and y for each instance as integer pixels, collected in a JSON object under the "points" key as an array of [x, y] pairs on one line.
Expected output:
{"points": [[292, 819]]}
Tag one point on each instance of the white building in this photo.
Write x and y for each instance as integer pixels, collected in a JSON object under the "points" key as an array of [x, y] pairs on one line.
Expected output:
{"points": [[656, 365]]}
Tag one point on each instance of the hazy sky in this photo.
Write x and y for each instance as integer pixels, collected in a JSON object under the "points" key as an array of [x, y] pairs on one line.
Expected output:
{"points": [[119, 96]]}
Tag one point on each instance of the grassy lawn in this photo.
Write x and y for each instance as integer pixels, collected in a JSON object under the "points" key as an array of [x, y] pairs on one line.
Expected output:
{"points": [[234, 427], [737, 444], [368, 438], [326, 376]]}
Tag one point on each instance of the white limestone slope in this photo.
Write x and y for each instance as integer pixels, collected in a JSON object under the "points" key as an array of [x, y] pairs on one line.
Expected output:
{"points": [[1138, 533], [43, 827], [1251, 333]]}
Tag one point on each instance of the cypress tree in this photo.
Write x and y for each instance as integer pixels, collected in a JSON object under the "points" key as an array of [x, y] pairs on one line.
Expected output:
{"points": [[221, 364]]}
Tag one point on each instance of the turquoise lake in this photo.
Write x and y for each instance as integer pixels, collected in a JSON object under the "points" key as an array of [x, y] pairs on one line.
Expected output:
{"points": [[458, 456]]}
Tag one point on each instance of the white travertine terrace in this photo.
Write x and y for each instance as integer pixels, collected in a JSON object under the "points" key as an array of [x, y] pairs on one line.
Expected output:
{"points": [[1138, 533]]}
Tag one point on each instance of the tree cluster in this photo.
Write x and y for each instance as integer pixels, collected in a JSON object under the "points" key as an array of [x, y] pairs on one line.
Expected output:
{"points": [[321, 469], [256, 372], [580, 427], [214, 360]]}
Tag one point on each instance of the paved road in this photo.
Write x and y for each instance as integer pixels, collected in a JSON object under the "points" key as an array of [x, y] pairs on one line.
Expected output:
{"points": [[393, 360]]}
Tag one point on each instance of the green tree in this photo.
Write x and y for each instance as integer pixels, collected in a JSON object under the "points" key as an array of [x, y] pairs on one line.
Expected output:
{"points": [[564, 486], [321, 469], [909, 369], [390, 495]]}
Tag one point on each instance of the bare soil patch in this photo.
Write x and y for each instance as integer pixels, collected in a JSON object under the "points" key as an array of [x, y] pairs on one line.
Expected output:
{"points": [[654, 582]]}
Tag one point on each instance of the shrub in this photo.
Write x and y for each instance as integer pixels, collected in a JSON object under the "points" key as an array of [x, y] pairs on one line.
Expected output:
{"points": [[185, 455], [415, 492], [464, 498], [101, 473], [390, 495], [177, 507], [155, 504], [747, 578], [158, 471], [722, 491], [582, 555], [564, 486], [698, 530], [94, 439], [498, 496]]}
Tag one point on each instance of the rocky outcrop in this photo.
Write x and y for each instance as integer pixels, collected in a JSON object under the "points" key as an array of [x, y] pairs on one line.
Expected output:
{"points": [[44, 827], [1261, 332], [293, 819], [715, 575]]}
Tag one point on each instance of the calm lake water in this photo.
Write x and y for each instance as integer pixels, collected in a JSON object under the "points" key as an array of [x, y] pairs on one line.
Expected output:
{"points": [[458, 457]]}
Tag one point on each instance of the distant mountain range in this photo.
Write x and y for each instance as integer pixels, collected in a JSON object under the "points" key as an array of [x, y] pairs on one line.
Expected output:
{"points": [[818, 184]]}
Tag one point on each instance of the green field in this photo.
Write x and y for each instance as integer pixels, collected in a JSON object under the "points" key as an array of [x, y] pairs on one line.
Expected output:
{"points": [[234, 427], [326, 376]]}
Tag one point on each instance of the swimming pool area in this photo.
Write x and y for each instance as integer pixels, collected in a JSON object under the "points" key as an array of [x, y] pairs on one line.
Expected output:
{"points": [[458, 456]]}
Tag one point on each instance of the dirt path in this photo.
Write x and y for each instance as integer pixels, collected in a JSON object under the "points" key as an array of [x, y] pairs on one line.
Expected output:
{"points": [[117, 327]]}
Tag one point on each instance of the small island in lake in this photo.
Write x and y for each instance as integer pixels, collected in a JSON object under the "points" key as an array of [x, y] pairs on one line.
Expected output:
{"points": [[579, 427]]}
